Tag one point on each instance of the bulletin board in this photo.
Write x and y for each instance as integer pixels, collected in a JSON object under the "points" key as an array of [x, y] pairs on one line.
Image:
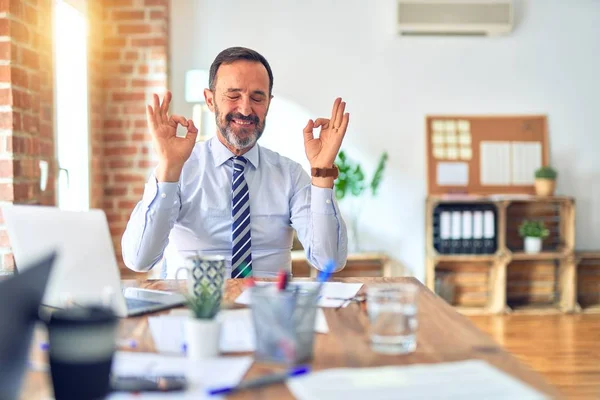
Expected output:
{"points": [[483, 155]]}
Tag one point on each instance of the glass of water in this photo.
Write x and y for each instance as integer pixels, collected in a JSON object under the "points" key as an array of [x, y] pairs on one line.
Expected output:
{"points": [[392, 311]]}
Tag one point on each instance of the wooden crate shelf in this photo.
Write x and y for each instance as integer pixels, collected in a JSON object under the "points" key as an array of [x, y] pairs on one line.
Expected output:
{"points": [[512, 281], [531, 284], [552, 213], [588, 281], [464, 286], [544, 255]]}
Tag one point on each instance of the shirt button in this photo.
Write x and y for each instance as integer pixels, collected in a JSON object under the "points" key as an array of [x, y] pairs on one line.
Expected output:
{"points": [[328, 201], [163, 195]]}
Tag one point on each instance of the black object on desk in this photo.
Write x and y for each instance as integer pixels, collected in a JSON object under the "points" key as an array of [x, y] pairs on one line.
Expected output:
{"points": [[82, 345], [20, 298]]}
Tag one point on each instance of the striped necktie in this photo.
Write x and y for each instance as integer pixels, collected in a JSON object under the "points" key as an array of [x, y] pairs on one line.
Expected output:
{"points": [[241, 260]]}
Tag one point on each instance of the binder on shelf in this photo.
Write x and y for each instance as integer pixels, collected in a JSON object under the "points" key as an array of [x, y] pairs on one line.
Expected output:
{"points": [[478, 232], [456, 232], [489, 232], [467, 232], [445, 232]]}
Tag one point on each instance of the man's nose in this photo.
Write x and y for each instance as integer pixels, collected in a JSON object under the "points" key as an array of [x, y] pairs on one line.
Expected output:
{"points": [[244, 106]]}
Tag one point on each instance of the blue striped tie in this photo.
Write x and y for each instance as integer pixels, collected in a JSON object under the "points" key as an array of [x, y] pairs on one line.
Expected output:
{"points": [[241, 260]]}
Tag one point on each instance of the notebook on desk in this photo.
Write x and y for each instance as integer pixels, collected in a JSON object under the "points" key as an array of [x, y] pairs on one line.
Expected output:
{"points": [[86, 269]]}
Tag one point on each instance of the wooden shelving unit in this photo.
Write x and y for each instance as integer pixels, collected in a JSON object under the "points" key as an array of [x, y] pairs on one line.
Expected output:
{"points": [[588, 281], [510, 280]]}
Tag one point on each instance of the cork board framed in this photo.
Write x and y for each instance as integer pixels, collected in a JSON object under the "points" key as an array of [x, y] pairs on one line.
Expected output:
{"points": [[483, 155]]}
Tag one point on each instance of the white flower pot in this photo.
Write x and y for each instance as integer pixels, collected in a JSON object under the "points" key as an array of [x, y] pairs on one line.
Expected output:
{"points": [[202, 338], [533, 245]]}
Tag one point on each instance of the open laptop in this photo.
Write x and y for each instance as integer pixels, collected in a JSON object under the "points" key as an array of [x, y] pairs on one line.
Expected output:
{"points": [[20, 299], [86, 270]]}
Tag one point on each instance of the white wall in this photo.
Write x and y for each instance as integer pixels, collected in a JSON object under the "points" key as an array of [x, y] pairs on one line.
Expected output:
{"points": [[321, 49]]}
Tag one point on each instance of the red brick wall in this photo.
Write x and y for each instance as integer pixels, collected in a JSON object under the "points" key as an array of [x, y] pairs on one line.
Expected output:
{"points": [[26, 103], [135, 55], [128, 54]]}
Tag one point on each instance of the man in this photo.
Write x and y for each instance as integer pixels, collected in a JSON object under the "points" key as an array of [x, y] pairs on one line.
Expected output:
{"points": [[231, 197]]}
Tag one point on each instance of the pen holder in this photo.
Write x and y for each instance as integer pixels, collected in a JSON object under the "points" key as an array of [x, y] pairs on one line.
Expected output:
{"points": [[284, 323]]}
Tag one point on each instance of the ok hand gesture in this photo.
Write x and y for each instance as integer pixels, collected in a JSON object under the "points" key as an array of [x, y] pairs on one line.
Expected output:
{"points": [[172, 151], [322, 151]]}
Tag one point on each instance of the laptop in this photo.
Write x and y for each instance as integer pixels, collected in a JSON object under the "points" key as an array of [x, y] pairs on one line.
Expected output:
{"points": [[86, 270], [20, 299]]}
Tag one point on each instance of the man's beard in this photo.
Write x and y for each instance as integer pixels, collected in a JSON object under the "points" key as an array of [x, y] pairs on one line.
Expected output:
{"points": [[232, 138]]}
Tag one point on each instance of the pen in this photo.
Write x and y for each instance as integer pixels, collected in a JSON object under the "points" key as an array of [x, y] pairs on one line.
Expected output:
{"points": [[281, 280], [262, 381], [326, 273]]}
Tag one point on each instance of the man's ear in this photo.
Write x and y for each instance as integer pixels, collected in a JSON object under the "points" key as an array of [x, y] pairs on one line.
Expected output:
{"points": [[209, 96]]}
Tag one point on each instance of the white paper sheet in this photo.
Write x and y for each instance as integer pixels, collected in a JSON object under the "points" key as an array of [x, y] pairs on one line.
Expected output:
{"points": [[212, 373], [452, 174], [472, 379], [237, 331], [526, 159], [495, 167], [330, 294]]}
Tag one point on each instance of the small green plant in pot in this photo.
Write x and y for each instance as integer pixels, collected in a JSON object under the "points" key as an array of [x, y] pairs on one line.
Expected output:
{"points": [[202, 329], [533, 232], [350, 189], [545, 181]]}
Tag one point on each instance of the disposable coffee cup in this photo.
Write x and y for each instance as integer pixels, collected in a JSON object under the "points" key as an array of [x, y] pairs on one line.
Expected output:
{"points": [[81, 349]]}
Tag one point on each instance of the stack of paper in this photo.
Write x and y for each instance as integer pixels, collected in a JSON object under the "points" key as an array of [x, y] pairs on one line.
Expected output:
{"points": [[472, 379], [201, 375], [237, 331], [333, 294]]}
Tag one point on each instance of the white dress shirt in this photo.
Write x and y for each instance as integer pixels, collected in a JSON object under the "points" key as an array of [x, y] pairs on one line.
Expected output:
{"points": [[175, 220]]}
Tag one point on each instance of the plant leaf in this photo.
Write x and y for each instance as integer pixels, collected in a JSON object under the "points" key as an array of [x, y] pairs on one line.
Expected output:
{"points": [[378, 176]]}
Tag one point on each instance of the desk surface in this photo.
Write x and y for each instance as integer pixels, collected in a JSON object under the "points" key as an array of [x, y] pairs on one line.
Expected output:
{"points": [[444, 335]]}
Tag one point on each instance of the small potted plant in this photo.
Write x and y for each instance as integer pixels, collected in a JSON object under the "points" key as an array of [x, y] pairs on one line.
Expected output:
{"points": [[545, 181], [533, 233], [203, 329]]}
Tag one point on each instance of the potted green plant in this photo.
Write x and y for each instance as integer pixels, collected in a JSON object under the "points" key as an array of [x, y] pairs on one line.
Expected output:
{"points": [[202, 329], [545, 181], [350, 187], [533, 232]]}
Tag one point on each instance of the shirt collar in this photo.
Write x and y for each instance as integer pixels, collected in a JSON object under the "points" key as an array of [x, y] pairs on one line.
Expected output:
{"points": [[222, 154]]}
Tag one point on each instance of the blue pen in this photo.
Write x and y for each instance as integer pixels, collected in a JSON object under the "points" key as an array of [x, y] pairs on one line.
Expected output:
{"points": [[262, 381], [326, 273]]}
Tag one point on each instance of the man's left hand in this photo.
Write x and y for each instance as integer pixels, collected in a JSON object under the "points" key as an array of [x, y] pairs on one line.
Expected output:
{"points": [[322, 151]]}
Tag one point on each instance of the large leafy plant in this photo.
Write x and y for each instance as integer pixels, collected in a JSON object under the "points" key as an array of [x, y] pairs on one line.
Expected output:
{"points": [[351, 179]]}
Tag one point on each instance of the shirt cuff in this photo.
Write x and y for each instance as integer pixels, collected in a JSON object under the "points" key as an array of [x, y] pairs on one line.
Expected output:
{"points": [[322, 200], [160, 195]]}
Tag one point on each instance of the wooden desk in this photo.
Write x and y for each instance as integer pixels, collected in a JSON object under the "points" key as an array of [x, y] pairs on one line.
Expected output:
{"points": [[444, 335]]}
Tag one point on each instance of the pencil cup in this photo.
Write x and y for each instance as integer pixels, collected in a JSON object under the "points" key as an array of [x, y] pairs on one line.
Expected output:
{"points": [[284, 322]]}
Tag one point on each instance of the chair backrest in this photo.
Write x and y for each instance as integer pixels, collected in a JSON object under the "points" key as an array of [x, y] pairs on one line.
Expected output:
{"points": [[20, 299]]}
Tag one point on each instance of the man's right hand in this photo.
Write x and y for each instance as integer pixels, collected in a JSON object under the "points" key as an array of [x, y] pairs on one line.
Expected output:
{"points": [[172, 151]]}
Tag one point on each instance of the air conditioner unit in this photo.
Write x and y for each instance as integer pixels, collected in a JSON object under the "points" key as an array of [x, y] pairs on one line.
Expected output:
{"points": [[455, 17]]}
